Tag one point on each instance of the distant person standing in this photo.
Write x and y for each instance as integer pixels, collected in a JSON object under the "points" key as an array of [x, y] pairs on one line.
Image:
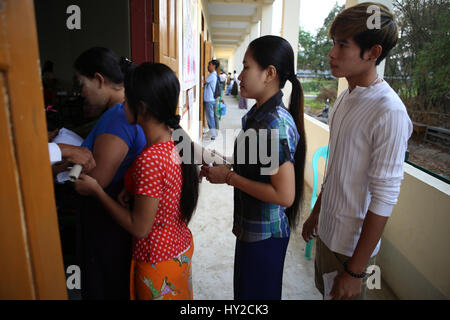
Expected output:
{"points": [[217, 93], [208, 98], [234, 88], [229, 83], [223, 79]]}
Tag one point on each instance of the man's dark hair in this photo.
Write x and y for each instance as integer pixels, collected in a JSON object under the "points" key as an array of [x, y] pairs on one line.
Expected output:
{"points": [[216, 63], [352, 23]]}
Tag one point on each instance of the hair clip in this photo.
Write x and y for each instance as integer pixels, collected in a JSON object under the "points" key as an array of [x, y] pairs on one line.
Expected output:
{"points": [[127, 60]]}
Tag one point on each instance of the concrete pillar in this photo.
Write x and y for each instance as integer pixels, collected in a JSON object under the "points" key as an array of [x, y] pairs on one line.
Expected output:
{"points": [[277, 17], [289, 31], [254, 31], [343, 84], [290, 24], [266, 20]]}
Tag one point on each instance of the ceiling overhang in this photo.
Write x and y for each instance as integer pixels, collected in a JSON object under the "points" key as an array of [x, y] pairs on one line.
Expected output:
{"points": [[230, 21]]}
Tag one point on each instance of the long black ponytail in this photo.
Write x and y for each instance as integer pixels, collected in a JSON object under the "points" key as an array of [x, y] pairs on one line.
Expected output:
{"points": [[276, 51], [155, 87]]}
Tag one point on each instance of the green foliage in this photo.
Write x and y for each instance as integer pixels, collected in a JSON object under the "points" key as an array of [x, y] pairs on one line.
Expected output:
{"points": [[311, 86], [432, 67], [313, 49], [317, 85], [306, 50], [314, 104], [327, 93], [418, 67]]}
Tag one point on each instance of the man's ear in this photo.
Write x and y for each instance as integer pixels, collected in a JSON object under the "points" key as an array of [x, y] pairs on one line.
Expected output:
{"points": [[271, 73], [101, 80], [375, 52]]}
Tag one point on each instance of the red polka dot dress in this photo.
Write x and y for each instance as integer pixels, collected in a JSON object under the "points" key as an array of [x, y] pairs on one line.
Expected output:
{"points": [[157, 173]]}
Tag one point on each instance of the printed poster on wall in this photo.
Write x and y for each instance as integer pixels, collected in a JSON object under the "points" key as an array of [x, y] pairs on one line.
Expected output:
{"points": [[189, 41]]}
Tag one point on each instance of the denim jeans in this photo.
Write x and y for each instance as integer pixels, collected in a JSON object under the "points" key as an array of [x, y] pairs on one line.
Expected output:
{"points": [[209, 110]]}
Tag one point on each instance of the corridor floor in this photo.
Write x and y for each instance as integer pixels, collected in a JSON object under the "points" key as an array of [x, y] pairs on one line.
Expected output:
{"points": [[214, 242]]}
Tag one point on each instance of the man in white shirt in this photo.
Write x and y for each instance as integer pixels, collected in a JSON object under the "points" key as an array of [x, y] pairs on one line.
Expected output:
{"points": [[369, 132]]}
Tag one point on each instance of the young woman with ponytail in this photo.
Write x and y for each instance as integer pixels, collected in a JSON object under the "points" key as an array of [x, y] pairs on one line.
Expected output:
{"points": [[266, 206], [160, 192]]}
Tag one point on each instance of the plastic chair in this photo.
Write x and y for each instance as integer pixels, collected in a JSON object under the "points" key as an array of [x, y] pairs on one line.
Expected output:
{"points": [[321, 152]]}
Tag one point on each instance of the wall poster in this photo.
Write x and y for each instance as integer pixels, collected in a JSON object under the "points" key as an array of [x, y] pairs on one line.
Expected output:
{"points": [[189, 44]]}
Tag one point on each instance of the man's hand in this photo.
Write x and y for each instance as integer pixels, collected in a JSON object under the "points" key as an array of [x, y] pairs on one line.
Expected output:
{"points": [[345, 287], [78, 155], [310, 227]]}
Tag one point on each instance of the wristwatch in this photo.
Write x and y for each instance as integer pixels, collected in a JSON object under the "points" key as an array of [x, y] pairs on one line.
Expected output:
{"points": [[354, 275]]}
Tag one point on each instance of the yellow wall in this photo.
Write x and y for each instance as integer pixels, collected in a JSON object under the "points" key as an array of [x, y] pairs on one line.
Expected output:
{"points": [[414, 253], [317, 135]]}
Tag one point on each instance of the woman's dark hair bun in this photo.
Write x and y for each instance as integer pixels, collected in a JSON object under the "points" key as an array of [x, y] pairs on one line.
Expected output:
{"points": [[103, 61], [174, 122], [126, 65]]}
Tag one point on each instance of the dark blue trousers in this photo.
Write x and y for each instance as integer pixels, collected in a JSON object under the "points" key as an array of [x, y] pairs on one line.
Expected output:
{"points": [[258, 269]]}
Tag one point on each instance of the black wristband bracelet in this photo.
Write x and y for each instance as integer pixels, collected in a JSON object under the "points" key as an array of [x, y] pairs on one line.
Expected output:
{"points": [[354, 275]]}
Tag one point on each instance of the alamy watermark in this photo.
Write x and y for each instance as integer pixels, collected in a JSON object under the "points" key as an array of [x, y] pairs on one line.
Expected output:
{"points": [[74, 277], [74, 20], [250, 147], [73, 280], [374, 280], [374, 21]]}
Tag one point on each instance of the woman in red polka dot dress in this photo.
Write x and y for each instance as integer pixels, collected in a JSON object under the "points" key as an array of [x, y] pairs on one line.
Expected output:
{"points": [[161, 190]]}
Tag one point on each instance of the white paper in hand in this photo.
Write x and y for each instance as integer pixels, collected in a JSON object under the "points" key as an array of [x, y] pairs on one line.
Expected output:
{"points": [[328, 281], [62, 177]]}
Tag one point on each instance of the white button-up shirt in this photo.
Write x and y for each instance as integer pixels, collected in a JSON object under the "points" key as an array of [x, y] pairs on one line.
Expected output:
{"points": [[369, 132]]}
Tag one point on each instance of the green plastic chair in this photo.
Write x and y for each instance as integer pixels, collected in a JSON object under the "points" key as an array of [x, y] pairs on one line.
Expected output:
{"points": [[321, 152]]}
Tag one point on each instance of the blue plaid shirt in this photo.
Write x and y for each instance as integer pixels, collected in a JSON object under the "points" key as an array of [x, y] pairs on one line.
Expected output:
{"points": [[256, 220]]}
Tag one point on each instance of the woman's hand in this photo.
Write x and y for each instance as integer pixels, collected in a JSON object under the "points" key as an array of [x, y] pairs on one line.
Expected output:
{"points": [[216, 174], [87, 186], [124, 198]]}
